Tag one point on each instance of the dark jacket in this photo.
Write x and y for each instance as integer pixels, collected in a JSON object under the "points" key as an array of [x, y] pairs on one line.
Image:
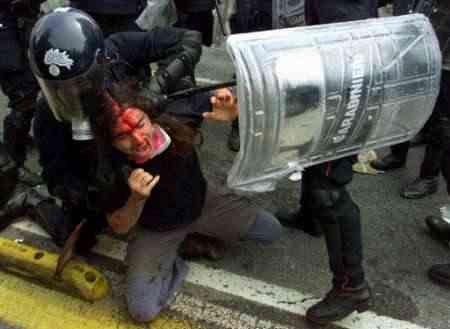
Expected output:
{"points": [[110, 7], [251, 16], [5, 6], [194, 6], [9, 12], [333, 11]]}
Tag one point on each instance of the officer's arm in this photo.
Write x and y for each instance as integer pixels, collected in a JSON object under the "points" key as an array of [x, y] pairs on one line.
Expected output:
{"points": [[177, 50]]}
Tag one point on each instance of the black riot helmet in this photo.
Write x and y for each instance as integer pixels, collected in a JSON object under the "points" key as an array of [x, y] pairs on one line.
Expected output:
{"points": [[66, 56]]}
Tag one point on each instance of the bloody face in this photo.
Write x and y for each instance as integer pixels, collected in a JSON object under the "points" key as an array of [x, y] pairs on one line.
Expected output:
{"points": [[136, 136]]}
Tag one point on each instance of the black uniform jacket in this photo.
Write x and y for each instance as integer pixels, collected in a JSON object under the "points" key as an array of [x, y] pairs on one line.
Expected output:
{"points": [[110, 7], [333, 11]]}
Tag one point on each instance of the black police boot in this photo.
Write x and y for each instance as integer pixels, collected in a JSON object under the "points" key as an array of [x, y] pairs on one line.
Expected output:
{"points": [[234, 142], [440, 274], [420, 188], [339, 303], [299, 221], [438, 227], [389, 162], [19, 205], [17, 140], [41, 209]]}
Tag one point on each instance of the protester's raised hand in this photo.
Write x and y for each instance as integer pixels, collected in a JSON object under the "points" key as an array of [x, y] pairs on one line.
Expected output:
{"points": [[224, 106], [141, 183]]}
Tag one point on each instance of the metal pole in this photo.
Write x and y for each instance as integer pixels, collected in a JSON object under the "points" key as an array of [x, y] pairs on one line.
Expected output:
{"points": [[198, 90]]}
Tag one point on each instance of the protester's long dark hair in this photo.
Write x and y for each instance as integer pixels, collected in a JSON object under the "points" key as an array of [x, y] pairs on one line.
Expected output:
{"points": [[125, 94]]}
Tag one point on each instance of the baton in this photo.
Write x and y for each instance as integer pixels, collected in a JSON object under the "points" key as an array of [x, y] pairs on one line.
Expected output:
{"points": [[198, 90]]}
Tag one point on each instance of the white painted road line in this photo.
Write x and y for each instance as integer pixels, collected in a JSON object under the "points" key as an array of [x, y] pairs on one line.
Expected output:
{"points": [[222, 317], [253, 290]]}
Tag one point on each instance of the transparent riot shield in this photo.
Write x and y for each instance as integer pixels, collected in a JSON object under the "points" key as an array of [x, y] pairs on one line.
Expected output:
{"points": [[288, 13], [313, 94]]}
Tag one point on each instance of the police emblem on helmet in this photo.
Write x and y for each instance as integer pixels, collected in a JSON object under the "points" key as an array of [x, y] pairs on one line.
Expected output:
{"points": [[56, 59]]}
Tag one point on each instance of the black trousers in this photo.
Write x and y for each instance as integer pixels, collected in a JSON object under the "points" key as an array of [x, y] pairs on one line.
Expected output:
{"points": [[19, 85], [436, 128], [326, 199], [402, 7], [443, 126], [324, 186]]}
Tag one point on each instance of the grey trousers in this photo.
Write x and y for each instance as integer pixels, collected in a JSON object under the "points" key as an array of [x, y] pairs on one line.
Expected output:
{"points": [[155, 271]]}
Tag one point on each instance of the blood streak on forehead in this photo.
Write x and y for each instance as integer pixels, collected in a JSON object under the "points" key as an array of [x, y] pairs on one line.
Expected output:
{"points": [[128, 120]]}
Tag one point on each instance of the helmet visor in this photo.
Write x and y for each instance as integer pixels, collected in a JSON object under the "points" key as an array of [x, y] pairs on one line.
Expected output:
{"points": [[66, 97]]}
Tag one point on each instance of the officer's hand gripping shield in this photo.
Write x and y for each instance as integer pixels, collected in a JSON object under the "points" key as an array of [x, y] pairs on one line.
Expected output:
{"points": [[313, 94]]}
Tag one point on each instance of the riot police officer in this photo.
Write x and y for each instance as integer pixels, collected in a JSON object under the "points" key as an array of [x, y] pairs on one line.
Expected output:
{"points": [[19, 85], [439, 12], [326, 200]]}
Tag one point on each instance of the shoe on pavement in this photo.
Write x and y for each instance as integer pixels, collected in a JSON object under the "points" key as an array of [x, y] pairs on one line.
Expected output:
{"points": [[389, 162], [420, 188], [339, 303], [438, 227], [440, 274]]}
